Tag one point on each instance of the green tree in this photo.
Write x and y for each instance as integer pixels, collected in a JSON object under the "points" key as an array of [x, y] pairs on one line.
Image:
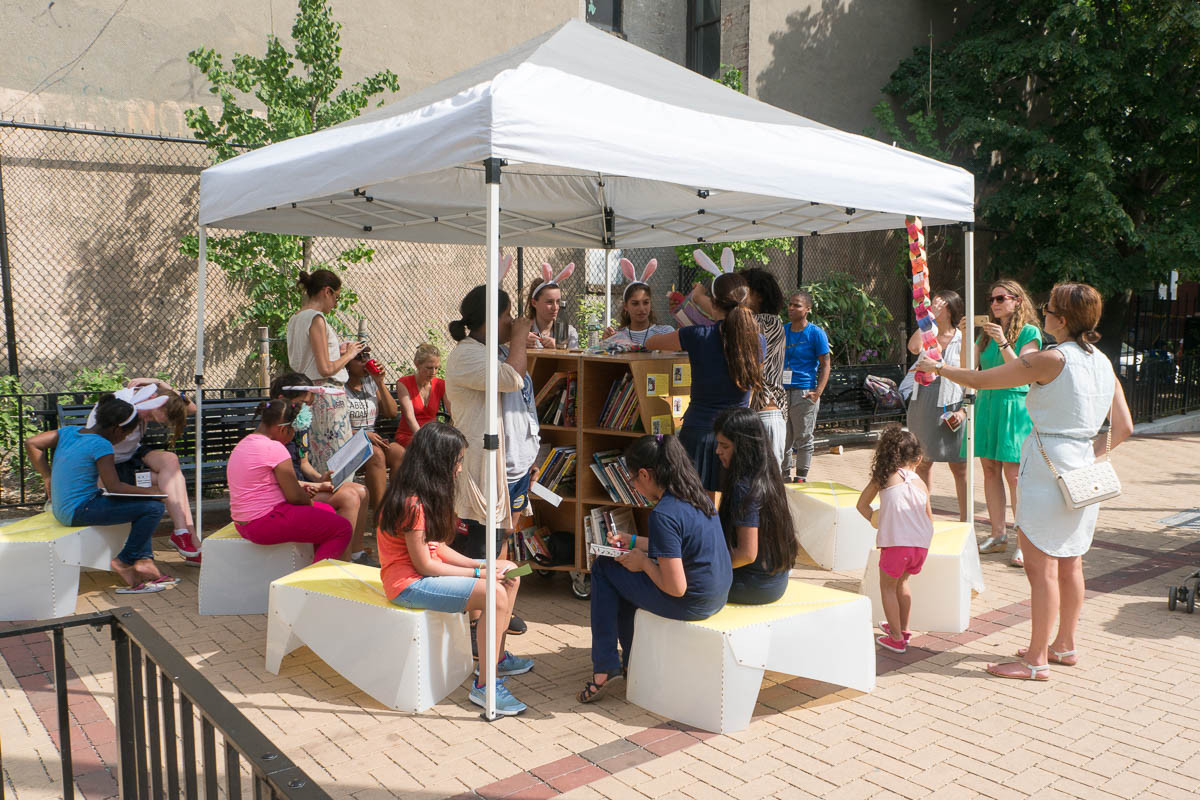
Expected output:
{"points": [[1080, 121], [747, 254], [298, 94]]}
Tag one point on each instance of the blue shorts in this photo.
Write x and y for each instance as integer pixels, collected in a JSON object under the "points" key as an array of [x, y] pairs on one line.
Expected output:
{"points": [[518, 493], [448, 593]]}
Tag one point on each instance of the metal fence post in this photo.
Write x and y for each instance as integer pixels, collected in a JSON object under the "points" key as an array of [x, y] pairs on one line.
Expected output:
{"points": [[264, 356], [10, 325]]}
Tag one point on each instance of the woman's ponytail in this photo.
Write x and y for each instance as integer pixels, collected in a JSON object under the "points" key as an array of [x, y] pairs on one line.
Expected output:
{"points": [[743, 354]]}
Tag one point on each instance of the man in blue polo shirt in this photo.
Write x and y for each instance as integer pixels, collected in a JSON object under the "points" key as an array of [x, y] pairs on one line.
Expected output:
{"points": [[805, 373]]}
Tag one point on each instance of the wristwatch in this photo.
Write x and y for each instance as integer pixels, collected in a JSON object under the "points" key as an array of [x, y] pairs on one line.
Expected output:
{"points": [[938, 367]]}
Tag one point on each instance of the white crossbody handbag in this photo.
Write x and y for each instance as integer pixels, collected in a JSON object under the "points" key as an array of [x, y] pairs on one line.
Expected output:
{"points": [[1086, 485]]}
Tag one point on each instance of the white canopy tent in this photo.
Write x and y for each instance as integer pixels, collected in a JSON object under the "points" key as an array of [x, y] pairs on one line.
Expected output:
{"points": [[576, 139]]}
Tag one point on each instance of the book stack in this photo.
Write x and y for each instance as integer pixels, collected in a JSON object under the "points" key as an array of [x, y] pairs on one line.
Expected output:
{"points": [[620, 410], [603, 521], [526, 543], [556, 400], [558, 470], [610, 469]]}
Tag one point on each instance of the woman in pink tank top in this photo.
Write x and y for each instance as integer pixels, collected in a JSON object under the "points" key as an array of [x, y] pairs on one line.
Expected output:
{"points": [[905, 525]]}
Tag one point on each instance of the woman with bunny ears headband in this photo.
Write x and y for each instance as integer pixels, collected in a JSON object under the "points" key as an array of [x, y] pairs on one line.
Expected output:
{"points": [[544, 297], [637, 316]]}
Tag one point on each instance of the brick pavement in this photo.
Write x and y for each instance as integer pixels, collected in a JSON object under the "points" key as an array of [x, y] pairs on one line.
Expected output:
{"points": [[936, 725]]}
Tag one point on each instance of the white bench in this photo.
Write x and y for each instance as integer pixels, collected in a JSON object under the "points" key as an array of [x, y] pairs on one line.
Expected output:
{"points": [[407, 660], [236, 574], [707, 674], [40, 562], [828, 525], [942, 591]]}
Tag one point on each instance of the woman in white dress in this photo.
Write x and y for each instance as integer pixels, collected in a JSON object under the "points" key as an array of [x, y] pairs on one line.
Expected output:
{"points": [[1072, 390]]}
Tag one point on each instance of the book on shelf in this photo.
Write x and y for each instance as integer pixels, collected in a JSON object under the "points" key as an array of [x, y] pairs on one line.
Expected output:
{"points": [[609, 467], [556, 405], [558, 470], [621, 410], [534, 541]]}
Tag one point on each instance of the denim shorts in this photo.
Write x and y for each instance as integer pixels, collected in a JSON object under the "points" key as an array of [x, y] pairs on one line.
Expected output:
{"points": [[448, 593]]}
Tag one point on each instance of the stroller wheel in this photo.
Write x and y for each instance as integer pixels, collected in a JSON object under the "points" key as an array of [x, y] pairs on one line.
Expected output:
{"points": [[1191, 602], [1172, 593]]}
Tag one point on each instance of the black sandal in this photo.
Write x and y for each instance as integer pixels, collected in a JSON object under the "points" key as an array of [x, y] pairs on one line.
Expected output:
{"points": [[594, 691]]}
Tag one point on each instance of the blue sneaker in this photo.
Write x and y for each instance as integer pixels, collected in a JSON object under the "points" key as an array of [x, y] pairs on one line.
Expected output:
{"points": [[506, 704], [510, 665]]}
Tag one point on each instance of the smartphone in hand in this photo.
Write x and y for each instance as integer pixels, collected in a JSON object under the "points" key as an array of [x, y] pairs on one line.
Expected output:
{"points": [[951, 420]]}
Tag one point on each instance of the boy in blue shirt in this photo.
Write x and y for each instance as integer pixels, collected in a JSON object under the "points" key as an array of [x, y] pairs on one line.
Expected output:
{"points": [[805, 373]]}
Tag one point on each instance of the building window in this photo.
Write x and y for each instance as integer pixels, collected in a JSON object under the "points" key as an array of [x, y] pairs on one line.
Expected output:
{"points": [[704, 37], [605, 14]]}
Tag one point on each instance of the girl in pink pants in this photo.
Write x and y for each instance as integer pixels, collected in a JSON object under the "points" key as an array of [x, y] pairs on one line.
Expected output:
{"points": [[267, 503]]}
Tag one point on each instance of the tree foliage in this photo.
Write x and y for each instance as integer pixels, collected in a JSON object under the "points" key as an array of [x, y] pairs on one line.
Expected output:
{"points": [[747, 254], [297, 93], [1080, 120]]}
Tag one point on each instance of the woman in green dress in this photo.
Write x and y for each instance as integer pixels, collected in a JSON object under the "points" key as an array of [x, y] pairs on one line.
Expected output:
{"points": [[1001, 421]]}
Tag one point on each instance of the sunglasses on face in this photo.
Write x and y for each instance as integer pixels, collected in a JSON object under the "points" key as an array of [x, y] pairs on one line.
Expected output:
{"points": [[1046, 309], [1000, 298]]}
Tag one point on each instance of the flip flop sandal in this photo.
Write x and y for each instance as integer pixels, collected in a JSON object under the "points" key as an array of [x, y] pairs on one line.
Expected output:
{"points": [[141, 588], [164, 581], [1036, 673], [594, 691], [1056, 657]]}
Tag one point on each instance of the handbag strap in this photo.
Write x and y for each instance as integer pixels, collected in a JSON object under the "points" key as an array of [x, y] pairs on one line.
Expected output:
{"points": [[1107, 443]]}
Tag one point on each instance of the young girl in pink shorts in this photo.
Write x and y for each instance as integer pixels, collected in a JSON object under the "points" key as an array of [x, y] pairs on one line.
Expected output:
{"points": [[905, 525], [267, 503]]}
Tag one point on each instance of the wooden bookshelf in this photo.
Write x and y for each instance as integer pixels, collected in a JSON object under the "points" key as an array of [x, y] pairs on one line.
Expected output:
{"points": [[596, 375]]}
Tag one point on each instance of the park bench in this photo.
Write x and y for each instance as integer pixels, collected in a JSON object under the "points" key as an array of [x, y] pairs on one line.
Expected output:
{"points": [[708, 673], [40, 562], [845, 403], [236, 574], [406, 659]]}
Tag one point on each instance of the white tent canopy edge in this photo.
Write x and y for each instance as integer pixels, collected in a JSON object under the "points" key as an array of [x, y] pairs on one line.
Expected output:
{"points": [[524, 150]]}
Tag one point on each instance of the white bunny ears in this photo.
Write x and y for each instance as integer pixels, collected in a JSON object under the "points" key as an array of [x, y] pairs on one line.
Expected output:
{"points": [[142, 398], [707, 264], [550, 280], [631, 276]]}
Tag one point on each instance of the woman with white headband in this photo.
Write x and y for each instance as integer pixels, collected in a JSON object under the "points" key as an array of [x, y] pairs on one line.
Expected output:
{"points": [[157, 402], [83, 458], [545, 295], [637, 315]]}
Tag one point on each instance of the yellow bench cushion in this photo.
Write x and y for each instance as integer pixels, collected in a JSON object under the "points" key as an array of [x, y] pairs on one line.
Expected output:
{"points": [[228, 532], [38, 528], [798, 598], [357, 583], [949, 538], [838, 495]]}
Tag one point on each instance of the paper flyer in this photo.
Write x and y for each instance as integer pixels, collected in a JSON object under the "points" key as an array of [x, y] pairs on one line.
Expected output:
{"points": [[663, 424], [656, 385], [681, 375]]}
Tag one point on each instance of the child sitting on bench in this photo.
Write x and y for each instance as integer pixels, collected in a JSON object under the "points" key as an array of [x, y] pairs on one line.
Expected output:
{"points": [[421, 570]]}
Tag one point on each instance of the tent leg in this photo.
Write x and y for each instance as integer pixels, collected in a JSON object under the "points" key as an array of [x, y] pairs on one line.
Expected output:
{"points": [[201, 278], [968, 350], [491, 437]]}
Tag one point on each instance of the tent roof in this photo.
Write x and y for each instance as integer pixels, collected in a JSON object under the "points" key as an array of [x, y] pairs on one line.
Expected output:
{"points": [[586, 122]]}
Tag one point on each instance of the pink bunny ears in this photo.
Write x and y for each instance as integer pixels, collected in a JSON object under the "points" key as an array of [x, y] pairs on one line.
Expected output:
{"points": [[631, 276], [707, 264], [550, 280]]}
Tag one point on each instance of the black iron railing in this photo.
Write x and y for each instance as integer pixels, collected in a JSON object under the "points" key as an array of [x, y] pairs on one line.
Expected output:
{"points": [[159, 699]]}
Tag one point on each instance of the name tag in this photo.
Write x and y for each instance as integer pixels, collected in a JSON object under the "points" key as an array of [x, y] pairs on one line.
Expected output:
{"points": [[143, 479], [787, 377]]}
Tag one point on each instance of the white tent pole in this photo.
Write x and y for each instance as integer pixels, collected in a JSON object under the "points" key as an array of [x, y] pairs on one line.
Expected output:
{"points": [[199, 399], [607, 287], [968, 349], [491, 438]]}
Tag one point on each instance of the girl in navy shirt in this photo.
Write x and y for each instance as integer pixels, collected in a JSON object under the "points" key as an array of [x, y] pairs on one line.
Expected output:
{"points": [[754, 513], [679, 571]]}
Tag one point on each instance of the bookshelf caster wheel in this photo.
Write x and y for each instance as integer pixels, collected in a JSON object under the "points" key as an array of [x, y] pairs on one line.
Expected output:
{"points": [[544, 574], [581, 585]]}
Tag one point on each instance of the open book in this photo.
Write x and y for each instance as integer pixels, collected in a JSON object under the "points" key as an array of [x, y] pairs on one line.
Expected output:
{"points": [[349, 458]]}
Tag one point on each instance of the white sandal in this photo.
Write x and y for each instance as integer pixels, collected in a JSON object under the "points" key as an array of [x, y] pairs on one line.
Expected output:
{"points": [[993, 544], [1035, 671]]}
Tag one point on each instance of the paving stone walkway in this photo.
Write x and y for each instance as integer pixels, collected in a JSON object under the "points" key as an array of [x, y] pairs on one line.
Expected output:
{"points": [[1123, 723]]}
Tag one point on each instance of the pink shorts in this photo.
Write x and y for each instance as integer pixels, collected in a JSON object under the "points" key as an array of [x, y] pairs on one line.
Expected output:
{"points": [[900, 561]]}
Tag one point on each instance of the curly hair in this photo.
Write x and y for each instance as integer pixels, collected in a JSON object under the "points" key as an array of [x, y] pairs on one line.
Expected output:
{"points": [[896, 448], [1025, 313], [763, 284]]}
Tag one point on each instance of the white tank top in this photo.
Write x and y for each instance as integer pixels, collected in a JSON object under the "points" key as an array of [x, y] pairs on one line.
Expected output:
{"points": [[902, 518], [300, 353]]}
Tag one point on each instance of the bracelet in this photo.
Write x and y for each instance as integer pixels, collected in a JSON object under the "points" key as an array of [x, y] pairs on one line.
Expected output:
{"points": [[632, 540], [1000, 346], [477, 572]]}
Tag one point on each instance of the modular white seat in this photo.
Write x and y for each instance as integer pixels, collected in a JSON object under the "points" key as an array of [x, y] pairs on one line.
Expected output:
{"points": [[708, 673], [942, 591], [407, 660], [40, 562], [828, 525], [236, 574]]}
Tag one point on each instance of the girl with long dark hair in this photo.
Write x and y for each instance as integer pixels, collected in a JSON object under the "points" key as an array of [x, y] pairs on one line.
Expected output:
{"points": [[420, 570], [754, 513], [83, 457], [679, 570], [726, 361]]}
